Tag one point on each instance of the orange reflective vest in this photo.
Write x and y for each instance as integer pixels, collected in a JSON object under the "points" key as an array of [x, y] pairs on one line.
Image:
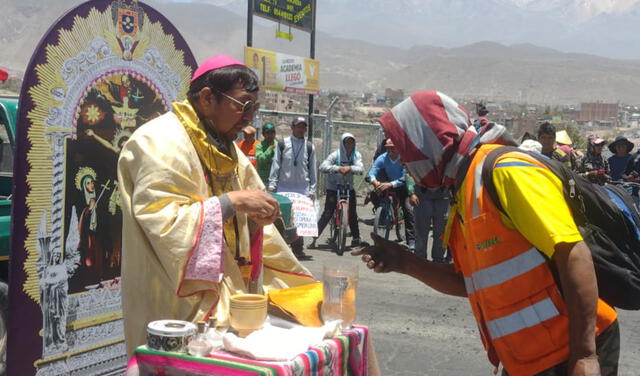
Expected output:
{"points": [[519, 309], [249, 149]]}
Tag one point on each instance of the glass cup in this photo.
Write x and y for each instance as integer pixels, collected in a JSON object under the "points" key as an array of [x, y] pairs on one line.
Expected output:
{"points": [[339, 293]]}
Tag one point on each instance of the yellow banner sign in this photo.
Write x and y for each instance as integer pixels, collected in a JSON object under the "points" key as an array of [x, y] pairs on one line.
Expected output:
{"points": [[280, 72]]}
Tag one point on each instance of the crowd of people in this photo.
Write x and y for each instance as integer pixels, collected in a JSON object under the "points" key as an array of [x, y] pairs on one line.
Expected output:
{"points": [[198, 224]]}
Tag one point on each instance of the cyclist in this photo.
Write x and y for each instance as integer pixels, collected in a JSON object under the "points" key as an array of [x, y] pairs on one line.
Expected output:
{"points": [[389, 163], [341, 165], [594, 166]]}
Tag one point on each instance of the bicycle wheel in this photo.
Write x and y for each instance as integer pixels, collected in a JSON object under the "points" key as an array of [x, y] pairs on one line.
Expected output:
{"points": [[333, 233], [342, 231], [391, 219], [382, 214]]}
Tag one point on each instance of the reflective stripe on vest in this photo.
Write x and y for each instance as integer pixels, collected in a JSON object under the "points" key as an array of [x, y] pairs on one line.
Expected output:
{"points": [[504, 271], [522, 319]]}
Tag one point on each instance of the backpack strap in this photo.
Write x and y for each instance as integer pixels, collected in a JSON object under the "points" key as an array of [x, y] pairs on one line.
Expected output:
{"points": [[309, 150], [281, 150]]}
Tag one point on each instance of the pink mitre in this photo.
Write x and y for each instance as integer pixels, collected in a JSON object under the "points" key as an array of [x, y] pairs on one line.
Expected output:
{"points": [[215, 62]]}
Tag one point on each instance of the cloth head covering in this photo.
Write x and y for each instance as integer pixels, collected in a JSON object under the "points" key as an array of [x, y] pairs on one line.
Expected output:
{"points": [[389, 143], [268, 127], [562, 137], [621, 140], [433, 134], [565, 148], [343, 158], [215, 62], [531, 145], [249, 130]]}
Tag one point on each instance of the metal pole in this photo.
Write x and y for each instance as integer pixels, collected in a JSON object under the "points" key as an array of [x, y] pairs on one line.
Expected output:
{"points": [[328, 127], [312, 54], [249, 23], [327, 136]]}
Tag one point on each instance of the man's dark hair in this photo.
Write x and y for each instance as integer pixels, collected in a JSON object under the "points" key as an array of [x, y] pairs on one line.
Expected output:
{"points": [[481, 109], [223, 80], [546, 128]]}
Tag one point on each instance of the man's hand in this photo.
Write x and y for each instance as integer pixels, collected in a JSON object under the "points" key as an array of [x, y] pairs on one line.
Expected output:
{"points": [[414, 200], [383, 256], [260, 206], [381, 187], [584, 367], [344, 169]]}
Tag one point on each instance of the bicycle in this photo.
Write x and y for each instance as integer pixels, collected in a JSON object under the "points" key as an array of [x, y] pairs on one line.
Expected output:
{"points": [[340, 220], [389, 206]]}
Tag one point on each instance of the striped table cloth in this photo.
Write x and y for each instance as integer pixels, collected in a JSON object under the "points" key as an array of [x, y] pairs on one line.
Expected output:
{"points": [[347, 354]]}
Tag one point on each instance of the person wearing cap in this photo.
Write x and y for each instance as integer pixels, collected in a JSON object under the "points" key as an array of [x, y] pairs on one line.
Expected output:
{"points": [[526, 271], [593, 165], [248, 144], [396, 180], [621, 162], [265, 151], [197, 224], [294, 169], [564, 144], [547, 138], [341, 165]]}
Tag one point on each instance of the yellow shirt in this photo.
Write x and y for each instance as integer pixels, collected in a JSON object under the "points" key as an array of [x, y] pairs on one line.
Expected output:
{"points": [[533, 199]]}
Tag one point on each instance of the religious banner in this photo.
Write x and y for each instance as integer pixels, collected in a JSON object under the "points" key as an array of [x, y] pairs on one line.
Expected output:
{"points": [[101, 71], [281, 72], [305, 214]]}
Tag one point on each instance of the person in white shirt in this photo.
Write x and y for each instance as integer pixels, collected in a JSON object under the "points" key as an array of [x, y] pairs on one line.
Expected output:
{"points": [[294, 170]]}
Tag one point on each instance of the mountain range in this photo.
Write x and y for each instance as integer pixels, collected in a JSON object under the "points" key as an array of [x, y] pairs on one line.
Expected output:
{"points": [[602, 27], [509, 70]]}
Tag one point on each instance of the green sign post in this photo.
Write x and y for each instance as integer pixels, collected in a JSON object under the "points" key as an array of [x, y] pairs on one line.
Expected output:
{"points": [[296, 13]]}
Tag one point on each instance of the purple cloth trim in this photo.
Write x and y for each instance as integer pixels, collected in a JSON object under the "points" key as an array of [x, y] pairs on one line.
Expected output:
{"points": [[207, 259]]}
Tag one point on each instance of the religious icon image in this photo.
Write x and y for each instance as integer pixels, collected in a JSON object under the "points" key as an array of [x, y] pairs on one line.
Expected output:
{"points": [[102, 70]]}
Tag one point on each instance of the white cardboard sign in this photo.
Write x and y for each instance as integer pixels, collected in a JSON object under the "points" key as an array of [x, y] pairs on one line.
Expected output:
{"points": [[304, 213]]}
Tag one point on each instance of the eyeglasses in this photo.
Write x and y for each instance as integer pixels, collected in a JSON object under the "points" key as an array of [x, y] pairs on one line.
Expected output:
{"points": [[247, 107]]}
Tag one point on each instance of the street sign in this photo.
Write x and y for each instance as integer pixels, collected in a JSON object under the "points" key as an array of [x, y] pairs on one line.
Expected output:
{"points": [[296, 13]]}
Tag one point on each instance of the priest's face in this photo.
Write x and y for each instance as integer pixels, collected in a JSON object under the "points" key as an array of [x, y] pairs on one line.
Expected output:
{"points": [[229, 112]]}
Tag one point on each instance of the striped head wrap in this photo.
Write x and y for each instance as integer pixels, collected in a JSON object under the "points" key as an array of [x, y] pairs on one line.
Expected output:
{"points": [[433, 134]]}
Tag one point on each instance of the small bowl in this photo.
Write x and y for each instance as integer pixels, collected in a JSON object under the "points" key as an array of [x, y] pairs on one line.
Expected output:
{"points": [[247, 312]]}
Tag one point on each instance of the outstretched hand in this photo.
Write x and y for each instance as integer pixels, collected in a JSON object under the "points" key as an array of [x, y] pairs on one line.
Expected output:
{"points": [[383, 256]]}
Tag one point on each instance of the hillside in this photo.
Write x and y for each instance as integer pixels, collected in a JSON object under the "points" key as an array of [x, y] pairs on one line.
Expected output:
{"points": [[520, 72]]}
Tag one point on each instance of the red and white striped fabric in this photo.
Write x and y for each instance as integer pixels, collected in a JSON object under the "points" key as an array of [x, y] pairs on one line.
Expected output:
{"points": [[433, 134]]}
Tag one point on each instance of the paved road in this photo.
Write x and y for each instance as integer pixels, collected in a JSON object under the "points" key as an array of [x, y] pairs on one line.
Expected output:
{"points": [[418, 331]]}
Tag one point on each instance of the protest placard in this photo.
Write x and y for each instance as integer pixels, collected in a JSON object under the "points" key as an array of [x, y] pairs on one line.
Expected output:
{"points": [[304, 213]]}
